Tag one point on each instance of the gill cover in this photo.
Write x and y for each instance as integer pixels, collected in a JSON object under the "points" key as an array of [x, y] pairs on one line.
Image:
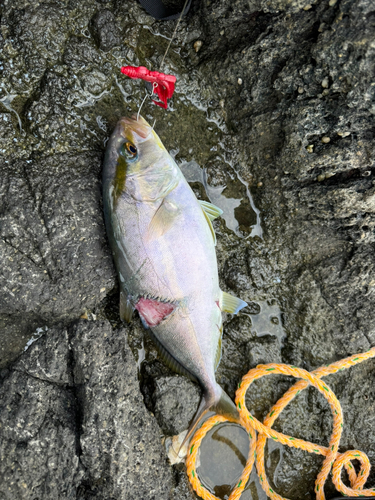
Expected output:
{"points": [[144, 168]]}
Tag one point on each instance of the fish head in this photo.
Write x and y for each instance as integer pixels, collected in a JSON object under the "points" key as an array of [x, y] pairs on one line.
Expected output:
{"points": [[137, 161]]}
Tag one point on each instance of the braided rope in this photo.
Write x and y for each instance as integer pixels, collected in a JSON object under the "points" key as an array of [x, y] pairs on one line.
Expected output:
{"points": [[334, 460]]}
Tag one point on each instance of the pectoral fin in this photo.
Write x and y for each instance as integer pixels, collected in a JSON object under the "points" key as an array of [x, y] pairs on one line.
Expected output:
{"points": [[162, 220], [231, 304], [126, 309], [211, 210]]}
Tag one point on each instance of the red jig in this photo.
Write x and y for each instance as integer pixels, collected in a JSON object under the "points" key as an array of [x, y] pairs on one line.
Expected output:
{"points": [[163, 85]]}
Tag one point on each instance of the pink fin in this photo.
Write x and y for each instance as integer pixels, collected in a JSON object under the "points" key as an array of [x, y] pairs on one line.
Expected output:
{"points": [[153, 311]]}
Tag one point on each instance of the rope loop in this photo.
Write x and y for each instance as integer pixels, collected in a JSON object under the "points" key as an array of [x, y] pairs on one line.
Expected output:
{"points": [[259, 433]]}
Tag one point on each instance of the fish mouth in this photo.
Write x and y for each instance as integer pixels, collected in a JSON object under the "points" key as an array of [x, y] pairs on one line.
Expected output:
{"points": [[154, 310], [135, 125]]}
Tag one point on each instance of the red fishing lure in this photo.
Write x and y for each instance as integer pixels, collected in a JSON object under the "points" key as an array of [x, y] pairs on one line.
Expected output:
{"points": [[163, 85]]}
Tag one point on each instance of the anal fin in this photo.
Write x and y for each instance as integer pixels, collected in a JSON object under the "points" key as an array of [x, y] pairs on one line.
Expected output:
{"points": [[219, 349], [169, 360]]}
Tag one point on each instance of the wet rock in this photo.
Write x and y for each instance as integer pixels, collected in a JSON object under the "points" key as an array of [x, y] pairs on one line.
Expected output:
{"points": [[104, 30], [233, 364], [49, 358], [238, 329], [55, 259], [322, 273], [35, 35], [7, 127], [119, 438], [78, 386], [39, 425], [80, 51], [176, 401], [306, 71], [264, 350]]}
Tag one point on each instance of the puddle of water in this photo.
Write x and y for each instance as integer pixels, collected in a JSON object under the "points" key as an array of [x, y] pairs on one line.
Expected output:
{"points": [[194, 173], [6, 101], [274, 460], [91, 99], [141, 353], [36, 335], [257, 228], [125, 94], [267, 320], [254, 490], [222, 458]]}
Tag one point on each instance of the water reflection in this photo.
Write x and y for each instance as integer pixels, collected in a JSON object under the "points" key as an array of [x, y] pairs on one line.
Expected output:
{"points": [[274, 460], [141, 355], [239, 216], [254, 490], [6, 101], [35, 336], [223, 455], [222, 458], [266, 319]]}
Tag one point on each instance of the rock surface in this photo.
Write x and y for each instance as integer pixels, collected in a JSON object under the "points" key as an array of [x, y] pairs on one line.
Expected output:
{"points": [[73, 422], [55, 260], [277, 105]]}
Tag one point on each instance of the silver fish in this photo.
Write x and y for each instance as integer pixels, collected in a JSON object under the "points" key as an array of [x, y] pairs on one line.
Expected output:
{"points": [[163, 245]]}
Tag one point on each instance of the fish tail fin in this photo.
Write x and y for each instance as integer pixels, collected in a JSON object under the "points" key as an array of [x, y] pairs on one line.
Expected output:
{"points": [[219, 403], [225, 406]]}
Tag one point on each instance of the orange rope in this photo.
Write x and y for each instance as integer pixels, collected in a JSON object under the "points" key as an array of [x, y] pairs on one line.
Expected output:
{"points": [[333, 459]]}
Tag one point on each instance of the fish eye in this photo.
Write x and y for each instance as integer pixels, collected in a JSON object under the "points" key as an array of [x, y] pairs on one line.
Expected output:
{"points": [[128, 150]]}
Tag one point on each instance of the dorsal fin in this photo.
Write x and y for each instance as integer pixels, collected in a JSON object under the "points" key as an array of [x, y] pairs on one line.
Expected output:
{"points": [[231, 304], [212, 211]]}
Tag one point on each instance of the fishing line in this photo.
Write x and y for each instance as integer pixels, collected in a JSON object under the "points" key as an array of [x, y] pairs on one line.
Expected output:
{"points": [[173, 35], [154, 85], [163, 84]]}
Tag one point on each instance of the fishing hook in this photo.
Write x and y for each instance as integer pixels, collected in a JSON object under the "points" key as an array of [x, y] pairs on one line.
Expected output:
{"points": [[154, 85]]}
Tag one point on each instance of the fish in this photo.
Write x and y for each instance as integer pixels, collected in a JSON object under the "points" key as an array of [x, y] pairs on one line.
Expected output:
{"points": [[163, 244]]}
